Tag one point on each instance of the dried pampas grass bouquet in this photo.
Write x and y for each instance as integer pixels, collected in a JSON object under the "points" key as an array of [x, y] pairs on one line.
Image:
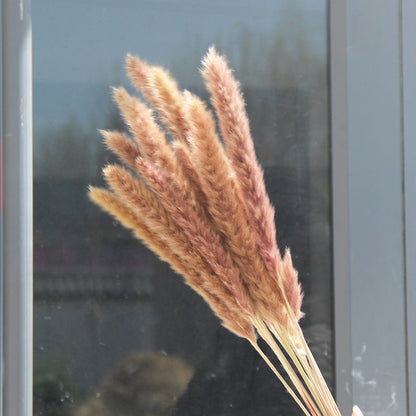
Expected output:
{"points": [[200, 203]]}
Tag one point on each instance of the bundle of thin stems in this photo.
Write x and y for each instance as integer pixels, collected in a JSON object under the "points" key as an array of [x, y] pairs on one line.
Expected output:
{"points": [[198, 200]]}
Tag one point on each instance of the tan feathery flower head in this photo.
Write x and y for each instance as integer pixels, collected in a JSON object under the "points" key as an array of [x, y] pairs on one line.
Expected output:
{"points": [[122, 146]]}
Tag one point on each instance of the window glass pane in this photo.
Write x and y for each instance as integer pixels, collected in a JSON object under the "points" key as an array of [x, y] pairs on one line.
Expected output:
{"points": [[115, 331]]}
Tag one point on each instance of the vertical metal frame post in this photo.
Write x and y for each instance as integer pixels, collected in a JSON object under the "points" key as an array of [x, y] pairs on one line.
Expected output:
{"points": [[340, 198], [372, 79], [409, 186], [17, 245], [375, 141]]}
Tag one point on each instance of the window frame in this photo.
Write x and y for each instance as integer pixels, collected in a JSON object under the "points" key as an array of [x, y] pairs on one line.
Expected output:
{"points": [[17, 229], [373, 90], [340, 205], [350, 63]]}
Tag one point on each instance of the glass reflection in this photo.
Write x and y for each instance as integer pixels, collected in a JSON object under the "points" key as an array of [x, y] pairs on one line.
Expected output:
{"points": [[116, 332]]}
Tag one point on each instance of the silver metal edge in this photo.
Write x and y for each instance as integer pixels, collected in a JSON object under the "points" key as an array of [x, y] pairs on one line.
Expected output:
{"points": [[408, 16], [17, 245], [340, 201]]}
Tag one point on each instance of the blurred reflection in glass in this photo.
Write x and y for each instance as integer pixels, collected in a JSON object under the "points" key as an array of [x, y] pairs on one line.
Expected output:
{"points": [[141, 384], [99, 294]]}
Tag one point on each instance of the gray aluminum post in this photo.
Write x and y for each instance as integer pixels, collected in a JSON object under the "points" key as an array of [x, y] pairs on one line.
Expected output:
{"points": [[17, 207], [409, 170], [340, 197], [371, 136]]}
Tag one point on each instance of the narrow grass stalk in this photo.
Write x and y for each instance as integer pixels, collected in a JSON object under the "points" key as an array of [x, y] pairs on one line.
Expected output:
{"points": [[264, 332], [329, 400], [282, 380], [297, 357]]}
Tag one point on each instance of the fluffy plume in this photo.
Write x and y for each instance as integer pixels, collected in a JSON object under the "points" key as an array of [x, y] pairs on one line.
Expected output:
{"points": [[202, 206], [162, 92]]}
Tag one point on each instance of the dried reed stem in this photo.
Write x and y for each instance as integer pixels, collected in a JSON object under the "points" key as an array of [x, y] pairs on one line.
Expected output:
{"points": [[282, 380], [202, 206]]}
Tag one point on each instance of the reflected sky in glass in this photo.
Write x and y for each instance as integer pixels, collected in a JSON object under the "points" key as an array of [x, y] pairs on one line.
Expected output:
{"points": [[162, 31], [85, 42]]}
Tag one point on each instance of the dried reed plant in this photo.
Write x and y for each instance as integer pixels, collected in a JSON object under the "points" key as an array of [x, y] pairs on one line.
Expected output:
{"points": [[200, 203]]}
